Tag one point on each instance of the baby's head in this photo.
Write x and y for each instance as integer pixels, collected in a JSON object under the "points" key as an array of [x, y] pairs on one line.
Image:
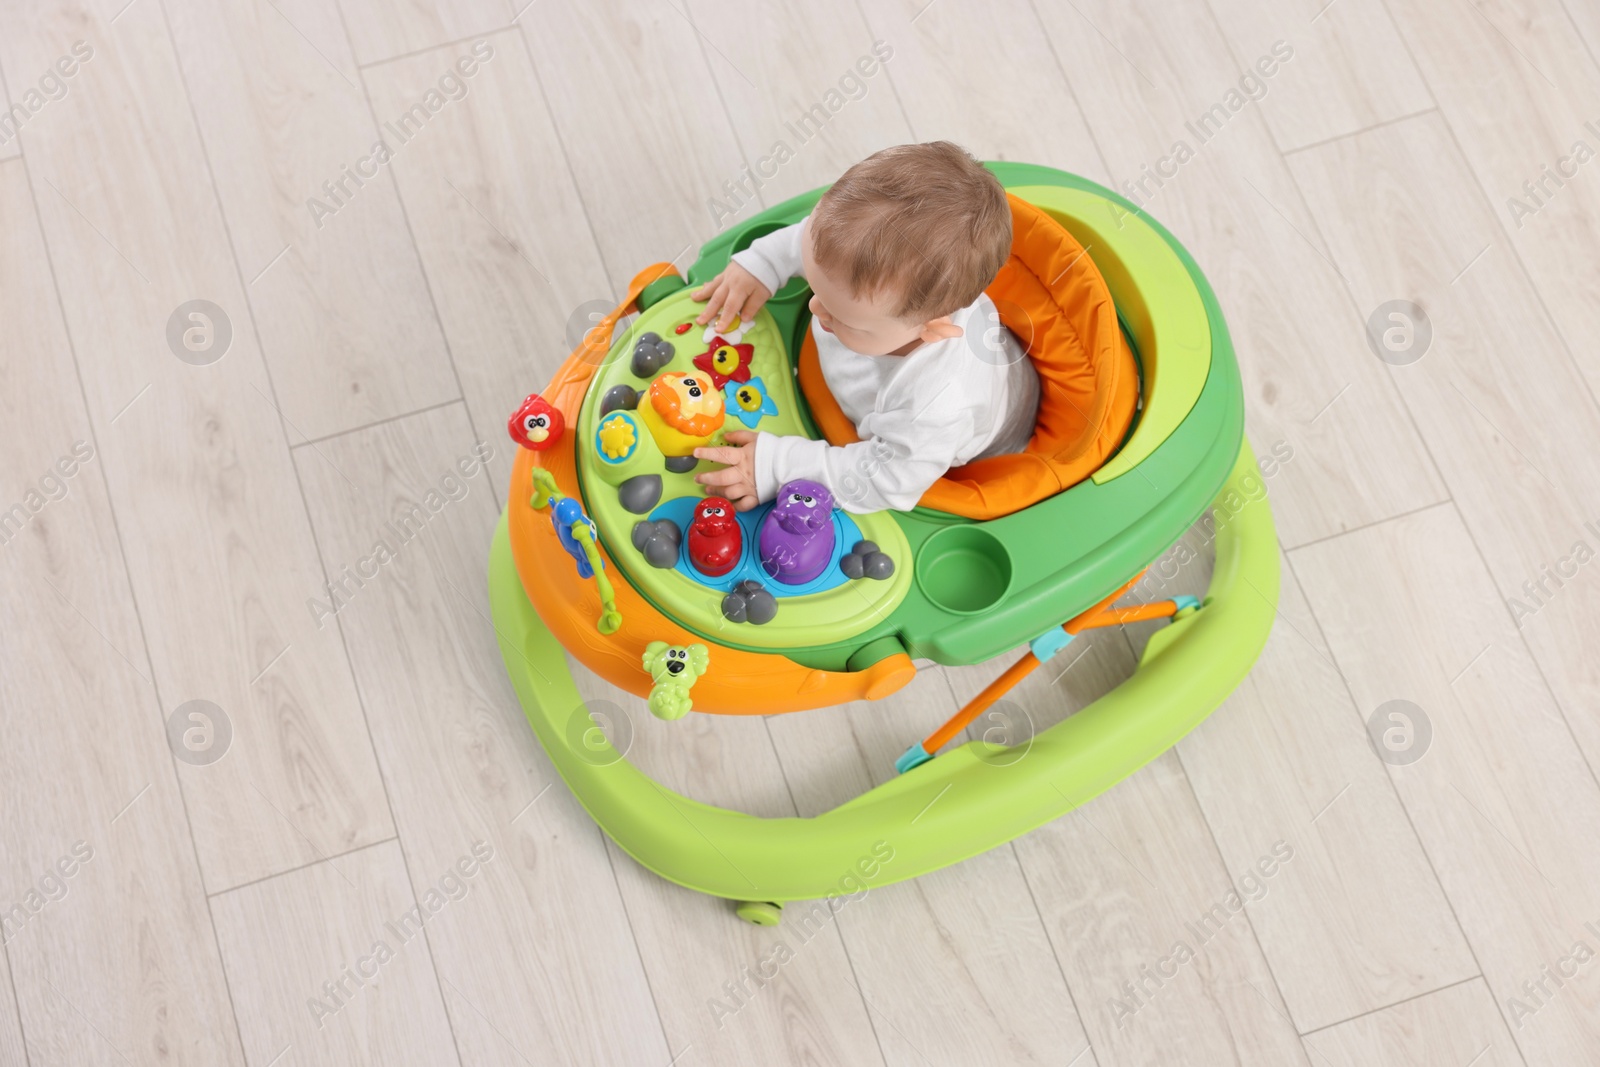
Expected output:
{"points": [[903, 239]]}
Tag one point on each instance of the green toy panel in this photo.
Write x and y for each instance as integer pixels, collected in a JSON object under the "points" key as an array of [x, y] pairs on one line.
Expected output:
{"points": [[809, 619], [1159, 302]]}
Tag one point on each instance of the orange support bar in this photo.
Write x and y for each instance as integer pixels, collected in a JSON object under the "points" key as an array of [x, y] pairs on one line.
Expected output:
{"points": [[980, 703], [1081, 621], [1102, 614], [1159, 609]]}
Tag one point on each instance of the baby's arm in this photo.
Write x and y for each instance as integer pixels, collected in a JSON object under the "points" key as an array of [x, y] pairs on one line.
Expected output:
{"points": [[751, 278], [775, 258], [890, 470]]}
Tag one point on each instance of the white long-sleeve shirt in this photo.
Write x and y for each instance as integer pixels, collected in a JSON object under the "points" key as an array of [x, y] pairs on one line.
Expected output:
{"points": [[944, 404]]}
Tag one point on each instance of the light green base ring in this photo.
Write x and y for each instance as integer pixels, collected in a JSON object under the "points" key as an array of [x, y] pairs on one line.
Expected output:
{"points": [[962, 803]]}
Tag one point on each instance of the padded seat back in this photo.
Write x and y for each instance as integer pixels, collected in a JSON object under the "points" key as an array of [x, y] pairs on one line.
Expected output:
{"points": [[1053, 298]]}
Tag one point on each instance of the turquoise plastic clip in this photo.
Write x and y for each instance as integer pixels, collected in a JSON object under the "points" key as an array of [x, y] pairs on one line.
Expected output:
{"points": [[1050, 642], [915, 756]]}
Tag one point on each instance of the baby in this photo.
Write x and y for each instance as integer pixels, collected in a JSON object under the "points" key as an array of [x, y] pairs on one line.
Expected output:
{"points": [[897, 253]]}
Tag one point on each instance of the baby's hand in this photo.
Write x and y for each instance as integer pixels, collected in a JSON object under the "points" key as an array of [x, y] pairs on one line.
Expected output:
{"points": [[736, 481], [735, 293]]}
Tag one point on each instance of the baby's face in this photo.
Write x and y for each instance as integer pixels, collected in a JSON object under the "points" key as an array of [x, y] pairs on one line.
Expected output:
{"points": [[865, 324]]}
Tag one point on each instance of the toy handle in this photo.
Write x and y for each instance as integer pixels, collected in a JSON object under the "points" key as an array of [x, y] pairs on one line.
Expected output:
{"points": [[545, 492], [610, 617], [544, 488]]}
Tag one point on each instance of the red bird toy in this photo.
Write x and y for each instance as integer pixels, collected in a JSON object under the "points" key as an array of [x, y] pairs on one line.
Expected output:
{"points": [[715, 540], [726, 362], [537, 424]]}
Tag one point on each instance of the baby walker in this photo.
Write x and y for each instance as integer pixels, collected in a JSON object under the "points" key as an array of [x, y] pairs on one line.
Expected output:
{"points": [[610, 550]]}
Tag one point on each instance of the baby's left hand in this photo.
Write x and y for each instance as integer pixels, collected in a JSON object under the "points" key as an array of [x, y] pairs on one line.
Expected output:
{"points": [[736, 481]]}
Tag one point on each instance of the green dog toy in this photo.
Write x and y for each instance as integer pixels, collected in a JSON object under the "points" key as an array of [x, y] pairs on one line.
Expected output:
{"points": [[674, 669]]}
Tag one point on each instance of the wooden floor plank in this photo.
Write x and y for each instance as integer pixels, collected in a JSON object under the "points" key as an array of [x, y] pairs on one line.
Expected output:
{"points": [[1518, 86], [1524, 468], [219, 550], [538, 960], [1443, 1029], [312, 211], [788, 74], [1586, 20], [1123, 879], [1499, 791], [947, 982], [651, 148], [103, 915], [500, 229], [12, 1043], [812, 1008], [1350, 68], [1145, 74], [945, 58], [1358, 920], [732, 993], [380, 30], [11, 127], [1125, 884], [331, 962]]}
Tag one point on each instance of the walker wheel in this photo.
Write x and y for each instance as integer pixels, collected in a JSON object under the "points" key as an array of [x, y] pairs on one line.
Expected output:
{"points": [[760, 912]]}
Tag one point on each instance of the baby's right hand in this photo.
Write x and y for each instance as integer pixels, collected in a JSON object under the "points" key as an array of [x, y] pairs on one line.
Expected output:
{"points": [[733, 293]]}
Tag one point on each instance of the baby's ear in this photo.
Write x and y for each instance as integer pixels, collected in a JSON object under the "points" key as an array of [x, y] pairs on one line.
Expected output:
{"points": [[940, 329]]}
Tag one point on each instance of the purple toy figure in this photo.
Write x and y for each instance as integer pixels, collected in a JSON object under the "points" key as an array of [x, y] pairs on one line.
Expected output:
{"points": [[797, 535]]}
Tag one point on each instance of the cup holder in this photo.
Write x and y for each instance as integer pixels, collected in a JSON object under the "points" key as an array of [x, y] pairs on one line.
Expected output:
{"points": [[964, 569]]}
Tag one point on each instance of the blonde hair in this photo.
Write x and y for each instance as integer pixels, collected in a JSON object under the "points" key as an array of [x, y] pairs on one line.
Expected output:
{"points": [[925, 221]]}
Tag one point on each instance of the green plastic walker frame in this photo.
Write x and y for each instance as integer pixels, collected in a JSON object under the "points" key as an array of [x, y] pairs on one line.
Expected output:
{"points": [[971, 798]]}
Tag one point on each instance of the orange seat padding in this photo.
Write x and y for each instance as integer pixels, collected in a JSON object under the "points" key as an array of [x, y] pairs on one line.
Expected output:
{"points": [[1053, 298]]}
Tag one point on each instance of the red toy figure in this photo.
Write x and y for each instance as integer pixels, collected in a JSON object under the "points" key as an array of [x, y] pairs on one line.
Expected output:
{"points": [[537, 424], [725, 362], [714, 537]]}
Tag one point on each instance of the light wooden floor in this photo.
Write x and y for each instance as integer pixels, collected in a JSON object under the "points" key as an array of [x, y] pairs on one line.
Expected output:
{"points": [[1439, 519]]}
